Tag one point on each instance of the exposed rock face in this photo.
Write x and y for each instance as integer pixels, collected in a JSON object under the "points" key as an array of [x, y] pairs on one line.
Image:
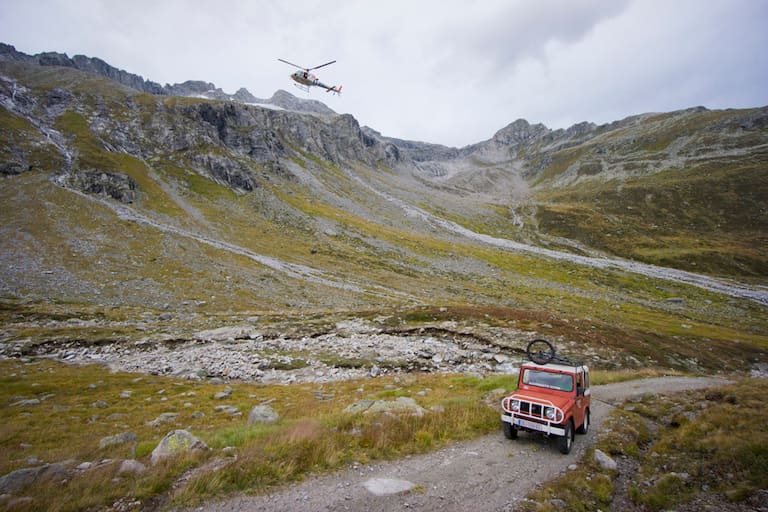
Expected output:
{"points": [[114, 185], [190, 88], [83, 63], [290, 102], [231, 143]]}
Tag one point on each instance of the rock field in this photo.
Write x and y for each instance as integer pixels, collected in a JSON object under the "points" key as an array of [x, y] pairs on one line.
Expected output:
{"points": [[353, 350]]}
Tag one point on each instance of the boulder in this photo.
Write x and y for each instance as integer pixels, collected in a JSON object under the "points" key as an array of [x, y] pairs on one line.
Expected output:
{"points": [[358, 407], [21, 478], [388, 486], [115, 185], [131, 466], [175, 443], [125, 437], [605, 461], [223, 394], [16, 480], [229, 409], [166, 417], [26, 402], [401, 405], [263, 414]]}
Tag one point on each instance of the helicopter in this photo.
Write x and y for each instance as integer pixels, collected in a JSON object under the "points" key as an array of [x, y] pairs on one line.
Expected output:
{"points": [[304, 79]]}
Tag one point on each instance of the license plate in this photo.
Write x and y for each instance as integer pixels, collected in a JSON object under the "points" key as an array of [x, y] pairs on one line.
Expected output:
{"points": [[532, 425]]}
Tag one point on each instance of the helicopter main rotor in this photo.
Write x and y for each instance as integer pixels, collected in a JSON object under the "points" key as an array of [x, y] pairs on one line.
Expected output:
{"points": [[306, 69]]}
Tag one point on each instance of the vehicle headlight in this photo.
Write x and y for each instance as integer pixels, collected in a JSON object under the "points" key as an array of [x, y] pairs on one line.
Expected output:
{"points": [[515, 405], [549, 412]]}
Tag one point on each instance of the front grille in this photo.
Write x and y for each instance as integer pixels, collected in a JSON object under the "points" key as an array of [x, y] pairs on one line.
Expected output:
{"points": [[533, 410]]}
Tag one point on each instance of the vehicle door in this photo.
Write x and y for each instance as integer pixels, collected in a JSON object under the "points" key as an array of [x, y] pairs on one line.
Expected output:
{"points": [[581, 402]]}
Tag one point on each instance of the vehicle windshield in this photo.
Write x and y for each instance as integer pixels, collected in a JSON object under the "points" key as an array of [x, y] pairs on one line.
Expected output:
{"points": [[559, 381]]}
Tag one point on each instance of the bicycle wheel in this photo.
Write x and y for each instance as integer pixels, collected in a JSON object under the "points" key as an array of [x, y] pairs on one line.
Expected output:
{"points": [[540, 351]]}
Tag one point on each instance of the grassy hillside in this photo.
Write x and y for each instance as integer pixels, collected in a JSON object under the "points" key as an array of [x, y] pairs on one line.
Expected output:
{"points": [[685, 190], [324, 230], [693, 451]]}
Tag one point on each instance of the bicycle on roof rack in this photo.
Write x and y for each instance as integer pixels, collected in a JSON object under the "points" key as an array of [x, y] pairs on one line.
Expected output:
{"points": [[541, 351]]}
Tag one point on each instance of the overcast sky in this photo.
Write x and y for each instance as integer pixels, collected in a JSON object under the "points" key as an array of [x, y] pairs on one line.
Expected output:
{"points": [[443, 71]]}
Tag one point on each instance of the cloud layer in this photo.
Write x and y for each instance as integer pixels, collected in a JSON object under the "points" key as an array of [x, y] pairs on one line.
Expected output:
{"points": [[439, 71]]}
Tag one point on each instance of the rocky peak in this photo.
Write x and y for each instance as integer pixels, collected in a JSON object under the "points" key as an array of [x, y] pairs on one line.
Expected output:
{"points": [[82, 63], [518, 132], [288, 101], [190, 88], [580, 129], [243, 95]]}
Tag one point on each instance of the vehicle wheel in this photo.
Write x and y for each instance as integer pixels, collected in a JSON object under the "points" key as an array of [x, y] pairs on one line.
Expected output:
{"points": [[540, 351], [565, 443], [510, 432], [584, 428]]}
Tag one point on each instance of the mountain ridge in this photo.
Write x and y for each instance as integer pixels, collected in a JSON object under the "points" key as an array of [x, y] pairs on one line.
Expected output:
{"points": [[193, 88], [327, 181], [516, 131]]}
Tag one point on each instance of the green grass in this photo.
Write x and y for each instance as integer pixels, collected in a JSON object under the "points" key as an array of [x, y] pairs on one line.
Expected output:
{"points": [[700, 447], [715, 441], [705, 218]]}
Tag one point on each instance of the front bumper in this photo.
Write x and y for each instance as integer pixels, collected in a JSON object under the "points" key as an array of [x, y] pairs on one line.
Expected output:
{"points": [[522, 423]]}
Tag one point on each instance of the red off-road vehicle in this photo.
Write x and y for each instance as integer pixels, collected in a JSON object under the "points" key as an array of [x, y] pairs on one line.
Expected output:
{"points": [[552, 397]]}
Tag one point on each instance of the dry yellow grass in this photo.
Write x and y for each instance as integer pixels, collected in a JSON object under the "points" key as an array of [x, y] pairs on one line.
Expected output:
{"points": [[79, 405]]}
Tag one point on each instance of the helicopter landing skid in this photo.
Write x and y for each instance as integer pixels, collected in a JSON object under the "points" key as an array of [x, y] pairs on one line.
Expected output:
{"points": [[304, 88]]}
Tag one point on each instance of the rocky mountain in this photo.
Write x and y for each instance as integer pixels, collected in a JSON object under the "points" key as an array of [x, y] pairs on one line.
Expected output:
{"points": [[191, 88], [119, 191]]}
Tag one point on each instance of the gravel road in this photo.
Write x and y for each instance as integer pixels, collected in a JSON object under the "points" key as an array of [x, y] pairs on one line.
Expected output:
{"points": [[486, 474]]}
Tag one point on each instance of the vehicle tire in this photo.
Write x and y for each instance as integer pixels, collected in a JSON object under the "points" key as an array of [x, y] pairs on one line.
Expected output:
{"points": [[565, 443], [584, 428], [540, 351], [510, 432]]}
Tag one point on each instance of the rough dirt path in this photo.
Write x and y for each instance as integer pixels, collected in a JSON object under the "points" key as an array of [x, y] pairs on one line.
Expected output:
{"points": [[486, 474]]}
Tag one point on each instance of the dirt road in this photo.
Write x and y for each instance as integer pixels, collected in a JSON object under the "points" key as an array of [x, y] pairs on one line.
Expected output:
{"points": [[486, 474]]}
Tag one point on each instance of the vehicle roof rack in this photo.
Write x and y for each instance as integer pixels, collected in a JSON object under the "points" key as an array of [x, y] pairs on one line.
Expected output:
{"points": [[542, 352], [557, 358]]}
